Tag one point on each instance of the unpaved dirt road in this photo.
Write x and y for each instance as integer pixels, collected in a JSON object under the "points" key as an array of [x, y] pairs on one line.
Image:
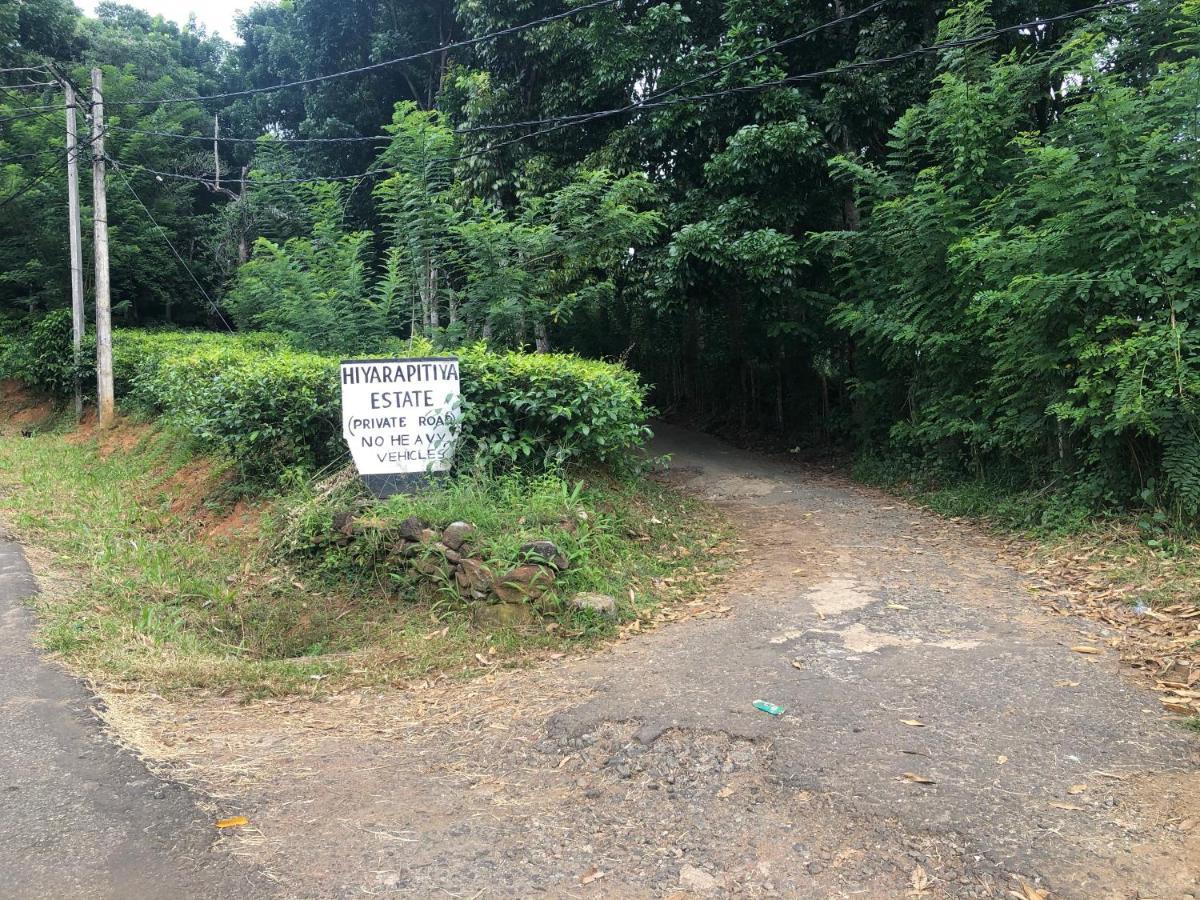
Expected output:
{"points": [[897, 644]]}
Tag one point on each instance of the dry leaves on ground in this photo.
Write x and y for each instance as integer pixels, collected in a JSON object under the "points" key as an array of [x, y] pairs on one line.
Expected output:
{"points": [[1146, 599]]}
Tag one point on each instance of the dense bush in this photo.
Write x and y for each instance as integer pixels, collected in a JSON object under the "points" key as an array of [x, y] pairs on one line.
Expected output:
{"points": [[267, 410], [1023, 295], [41, 355], [270, 407], [549, 409]]}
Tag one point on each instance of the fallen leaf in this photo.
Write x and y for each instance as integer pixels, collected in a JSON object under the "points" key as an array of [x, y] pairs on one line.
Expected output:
{"points": [[1066, 684], [919, 882], [592, 874], [1071, 807], [1029, 892], [896, 606], [913, 722], [1001, 759], [1085, 648], [797, 664], [232, 822], [483, 660], [727, 791], [1077, 789], [1176, 706], [917, 779]]}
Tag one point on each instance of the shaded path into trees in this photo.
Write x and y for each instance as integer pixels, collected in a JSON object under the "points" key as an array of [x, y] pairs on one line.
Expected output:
{"points": [[940, 737], [83, 818]]}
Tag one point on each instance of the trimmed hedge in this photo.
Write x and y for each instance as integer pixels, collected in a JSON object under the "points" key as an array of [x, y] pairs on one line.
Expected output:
{"points": [[270, 407]]}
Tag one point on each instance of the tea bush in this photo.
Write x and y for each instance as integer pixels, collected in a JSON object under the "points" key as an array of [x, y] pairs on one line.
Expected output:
{"points": [[270, 407], [40, 355]]}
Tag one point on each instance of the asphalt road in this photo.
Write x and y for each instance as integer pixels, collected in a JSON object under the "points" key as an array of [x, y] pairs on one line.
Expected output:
{"points": [[83, 818]]}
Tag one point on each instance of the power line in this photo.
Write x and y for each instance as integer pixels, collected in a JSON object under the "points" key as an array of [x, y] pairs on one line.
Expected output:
{"points": [[5, 160], [39, 69], [371, 67], [543, 121], [29, 114], [36, 108], [569, 121], [216, 309], [646, 104], [37, 179], [247, 140]]}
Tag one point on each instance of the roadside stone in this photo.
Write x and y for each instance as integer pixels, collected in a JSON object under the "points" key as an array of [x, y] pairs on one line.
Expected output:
{"points": [[504, 615], [428, 536], [432, 566], [410, 529], [544, 553], [598, 603], [456, 533], [475, 577], [528, 582], [697, 880], [408, 548], [343, 522]]}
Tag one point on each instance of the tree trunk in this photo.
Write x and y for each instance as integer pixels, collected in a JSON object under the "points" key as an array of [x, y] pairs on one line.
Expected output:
{"points": [[541, 340], [434, 312]]}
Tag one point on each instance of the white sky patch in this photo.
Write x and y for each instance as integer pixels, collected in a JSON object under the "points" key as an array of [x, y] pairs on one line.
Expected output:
{"points": [[214, 15]]}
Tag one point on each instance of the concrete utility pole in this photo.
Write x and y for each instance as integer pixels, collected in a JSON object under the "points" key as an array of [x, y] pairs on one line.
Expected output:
{"points": [[216, 151], [104, 371], [76, 240]]}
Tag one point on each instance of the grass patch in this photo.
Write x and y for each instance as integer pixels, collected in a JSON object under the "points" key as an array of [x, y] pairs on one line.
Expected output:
{"points": [[166, 594]]}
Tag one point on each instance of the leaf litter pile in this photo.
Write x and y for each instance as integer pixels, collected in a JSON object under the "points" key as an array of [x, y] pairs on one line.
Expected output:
{"points": [[1147, 599]]}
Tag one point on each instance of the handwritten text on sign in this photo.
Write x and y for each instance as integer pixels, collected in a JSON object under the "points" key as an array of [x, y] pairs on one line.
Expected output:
{"points": [[400, 415]]}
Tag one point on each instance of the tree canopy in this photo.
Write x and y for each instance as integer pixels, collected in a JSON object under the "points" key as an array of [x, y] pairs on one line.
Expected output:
{"points": [[902, 224]]}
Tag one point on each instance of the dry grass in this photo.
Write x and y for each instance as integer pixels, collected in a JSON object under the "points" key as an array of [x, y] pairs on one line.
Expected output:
{"points": [[1148, 598]]}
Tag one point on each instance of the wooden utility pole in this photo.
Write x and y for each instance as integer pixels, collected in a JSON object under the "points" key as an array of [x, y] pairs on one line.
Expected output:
{"points": [[104, 371], [76, 240]]}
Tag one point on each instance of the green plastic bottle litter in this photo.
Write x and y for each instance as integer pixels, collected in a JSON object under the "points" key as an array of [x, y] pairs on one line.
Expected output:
{"points": [[769, 708]]}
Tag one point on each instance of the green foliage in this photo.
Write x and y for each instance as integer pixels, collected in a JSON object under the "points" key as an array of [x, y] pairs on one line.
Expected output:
{"points": [[985, 256], [266, 411], [550, 409], [589, 518], [43, 356], [159, 597], [269, 407], [312, 289], [1029, 293]]}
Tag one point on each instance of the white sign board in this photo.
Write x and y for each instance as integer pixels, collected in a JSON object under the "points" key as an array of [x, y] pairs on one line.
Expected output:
{"points": [[400, 416]]}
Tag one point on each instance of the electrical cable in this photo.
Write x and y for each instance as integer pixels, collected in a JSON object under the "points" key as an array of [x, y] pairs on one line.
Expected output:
{"points": [[37, 179], [216, 309], [28, 114], [822, 73], [582, 118], [556, 119], [301, 82], [29, 85], [5, 160]]}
